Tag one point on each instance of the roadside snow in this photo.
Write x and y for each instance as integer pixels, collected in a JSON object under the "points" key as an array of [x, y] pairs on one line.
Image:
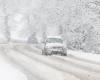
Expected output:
{"points": [[8, 72], [86, 56]]}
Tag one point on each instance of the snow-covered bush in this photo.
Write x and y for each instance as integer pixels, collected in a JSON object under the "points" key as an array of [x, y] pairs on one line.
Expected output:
{"points": [[78, 21]]}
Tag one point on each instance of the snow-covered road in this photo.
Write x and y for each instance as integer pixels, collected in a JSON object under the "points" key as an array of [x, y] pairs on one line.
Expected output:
{"points": [[38, 67]]}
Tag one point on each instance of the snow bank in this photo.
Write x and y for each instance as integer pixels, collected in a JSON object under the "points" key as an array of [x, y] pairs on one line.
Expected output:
{"points": [[86, 56], [8, 72]]}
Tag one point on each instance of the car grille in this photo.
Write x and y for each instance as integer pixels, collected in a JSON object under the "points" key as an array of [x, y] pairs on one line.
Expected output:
{"points": [[57, 48]]}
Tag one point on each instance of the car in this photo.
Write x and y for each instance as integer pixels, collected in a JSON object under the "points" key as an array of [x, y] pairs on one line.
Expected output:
{"points": [[54, 45]]}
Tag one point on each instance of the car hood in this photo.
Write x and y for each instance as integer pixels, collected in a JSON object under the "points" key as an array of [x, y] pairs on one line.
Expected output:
{"points": [[50, 45]]}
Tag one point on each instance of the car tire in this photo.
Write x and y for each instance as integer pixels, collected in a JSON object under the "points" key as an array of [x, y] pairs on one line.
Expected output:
{"points": [[44, 53], [63, 54]]}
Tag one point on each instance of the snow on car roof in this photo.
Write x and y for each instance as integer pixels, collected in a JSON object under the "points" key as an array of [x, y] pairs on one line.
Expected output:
{"points": [[54, 37]]}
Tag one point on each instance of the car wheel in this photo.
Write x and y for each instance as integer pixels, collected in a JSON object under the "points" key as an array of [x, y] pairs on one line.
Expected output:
{"points": [[63, 54], [44, 53]]}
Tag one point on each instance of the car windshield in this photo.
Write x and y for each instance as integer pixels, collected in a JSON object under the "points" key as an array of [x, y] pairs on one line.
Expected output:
{"points": [[54, 40]]}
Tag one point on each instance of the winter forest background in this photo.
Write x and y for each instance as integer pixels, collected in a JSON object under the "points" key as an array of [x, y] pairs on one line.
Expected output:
{"points": [[78, 21]]}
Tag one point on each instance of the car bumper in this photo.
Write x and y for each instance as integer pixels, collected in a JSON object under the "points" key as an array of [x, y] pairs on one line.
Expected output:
{"points": [[55, 51]]}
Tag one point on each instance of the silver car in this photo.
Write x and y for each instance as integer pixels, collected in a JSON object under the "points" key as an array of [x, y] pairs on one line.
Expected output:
{"points": [[54, 45]]}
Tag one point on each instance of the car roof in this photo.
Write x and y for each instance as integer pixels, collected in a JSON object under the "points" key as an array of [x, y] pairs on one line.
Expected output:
{"points": [[54, 37]]}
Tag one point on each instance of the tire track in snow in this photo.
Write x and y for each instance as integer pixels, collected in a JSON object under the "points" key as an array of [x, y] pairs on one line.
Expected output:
{"points": [[84, 74], [24, 64]]}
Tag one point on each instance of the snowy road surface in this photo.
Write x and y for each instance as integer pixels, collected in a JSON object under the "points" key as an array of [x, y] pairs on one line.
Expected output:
{"points": [[38, 67], [8, 71]]}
